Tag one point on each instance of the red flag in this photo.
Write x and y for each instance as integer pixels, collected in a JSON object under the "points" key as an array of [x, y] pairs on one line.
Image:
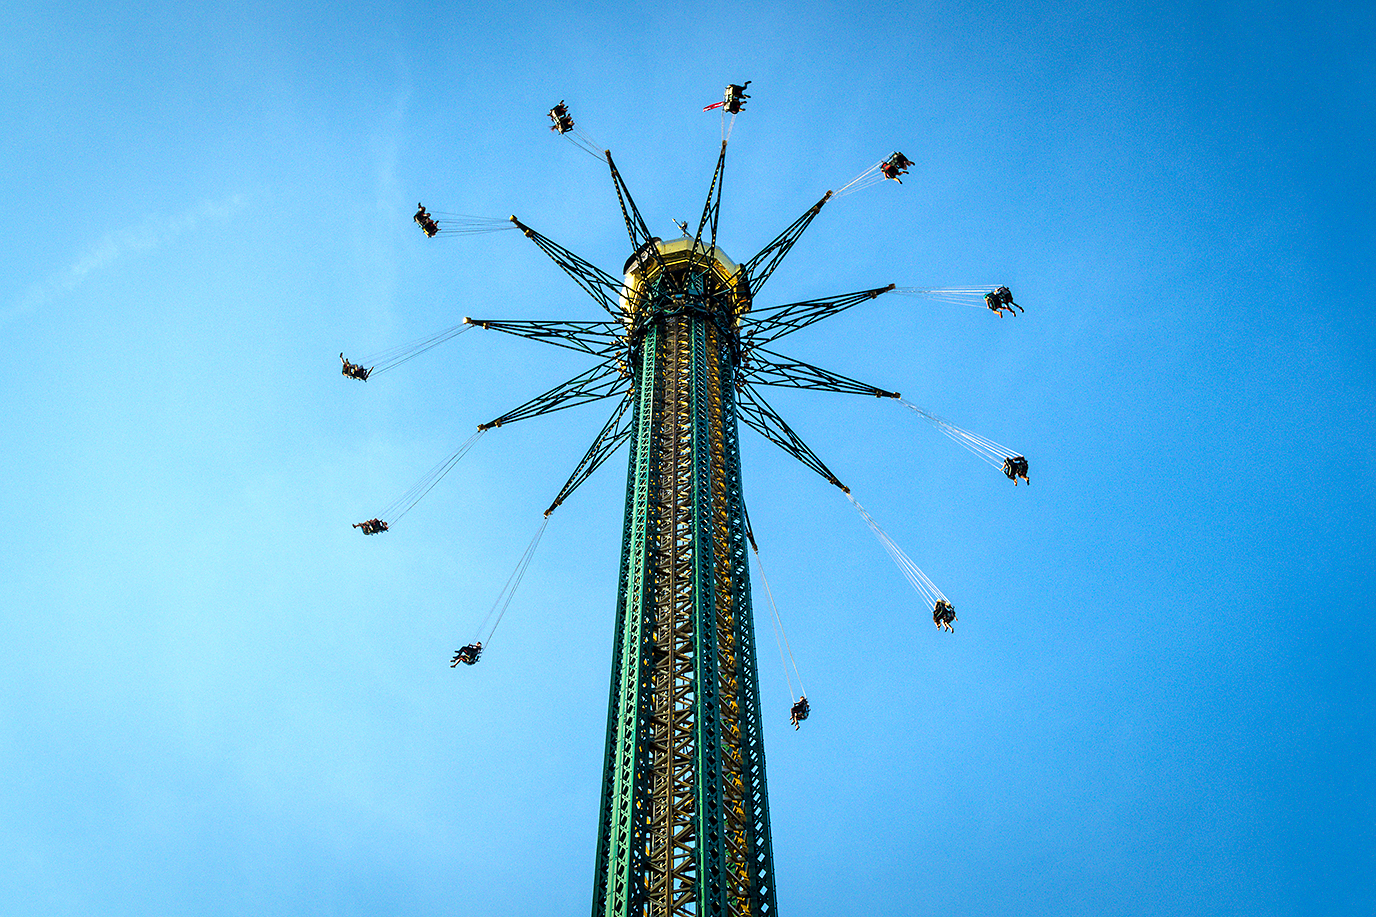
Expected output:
{"points": [[714, 105]]}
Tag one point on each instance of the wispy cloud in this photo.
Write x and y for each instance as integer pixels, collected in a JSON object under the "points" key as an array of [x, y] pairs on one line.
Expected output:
{"points": [[151, 234]]}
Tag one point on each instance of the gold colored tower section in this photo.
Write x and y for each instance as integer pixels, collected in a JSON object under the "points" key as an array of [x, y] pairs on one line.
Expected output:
{"points": [[717, 283]]}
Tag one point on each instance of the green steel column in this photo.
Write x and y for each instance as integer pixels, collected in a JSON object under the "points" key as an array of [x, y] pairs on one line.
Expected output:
{"points": [[618, 883]]}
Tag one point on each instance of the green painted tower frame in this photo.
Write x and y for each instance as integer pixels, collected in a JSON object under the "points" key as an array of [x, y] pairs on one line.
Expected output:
{"points": [[683, 824], [683, 821]]}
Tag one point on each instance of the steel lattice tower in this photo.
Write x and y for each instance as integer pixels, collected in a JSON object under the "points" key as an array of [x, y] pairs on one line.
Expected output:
{"points": [[684, 818], [683, 825], [683, 822]]}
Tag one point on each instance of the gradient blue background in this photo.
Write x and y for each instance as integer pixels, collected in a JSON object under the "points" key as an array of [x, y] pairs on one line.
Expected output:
{"points": [[219, 699]]}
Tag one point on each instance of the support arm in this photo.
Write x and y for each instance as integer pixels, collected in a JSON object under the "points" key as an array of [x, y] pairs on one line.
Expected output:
{"points": [[764, 325], [759, 416], [641, 238], [600, 285], [617, 431], [710, 210], [789, 373], [601, 339], [602, 381], [757, 270]]}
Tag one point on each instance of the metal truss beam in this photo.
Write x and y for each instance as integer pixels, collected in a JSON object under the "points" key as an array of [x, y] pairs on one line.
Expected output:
{"points": [[602, 381], [598, 284], [601, 339], [789, 373], [757, 270], [641, 238], [711, 210], [764, 325], [763, 419], [616, 431]]}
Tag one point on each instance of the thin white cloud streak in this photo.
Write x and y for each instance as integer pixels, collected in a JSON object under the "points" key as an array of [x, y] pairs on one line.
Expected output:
{"points": [[151, 234]]}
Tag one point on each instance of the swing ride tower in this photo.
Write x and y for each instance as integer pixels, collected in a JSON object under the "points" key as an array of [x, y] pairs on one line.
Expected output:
{"points": [[683, 821], [683, 824]]}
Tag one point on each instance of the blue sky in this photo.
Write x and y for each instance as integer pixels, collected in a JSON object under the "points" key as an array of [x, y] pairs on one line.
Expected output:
{"points": [[218, 698]]}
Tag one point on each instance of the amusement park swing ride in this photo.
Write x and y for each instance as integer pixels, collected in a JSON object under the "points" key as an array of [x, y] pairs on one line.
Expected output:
{"points": [[686, 349]]}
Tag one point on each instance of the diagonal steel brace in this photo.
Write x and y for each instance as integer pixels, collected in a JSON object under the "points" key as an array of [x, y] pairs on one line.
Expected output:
{"points": [[601, 339], [602, 381], [763, 419], [764, 325], [789, 373], [617, 430], [757, 270], [598, 284]]}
